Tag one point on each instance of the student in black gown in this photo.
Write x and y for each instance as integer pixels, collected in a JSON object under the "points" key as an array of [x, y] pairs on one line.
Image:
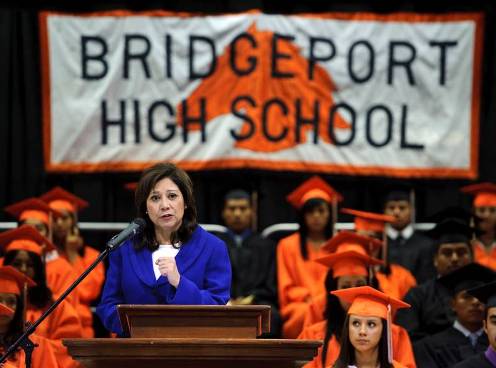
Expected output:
{"points": [[487, 295], [252, 258], [430, 310], [466, 337]]}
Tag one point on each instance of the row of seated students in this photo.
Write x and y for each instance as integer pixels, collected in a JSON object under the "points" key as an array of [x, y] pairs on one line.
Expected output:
{"points": [[295, 276]]}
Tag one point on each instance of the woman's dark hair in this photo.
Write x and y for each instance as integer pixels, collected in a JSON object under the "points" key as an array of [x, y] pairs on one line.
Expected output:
{"points": [[347, 353], [309, 206], [149, 178], [40, 295], [16, 326], [334, 314]]}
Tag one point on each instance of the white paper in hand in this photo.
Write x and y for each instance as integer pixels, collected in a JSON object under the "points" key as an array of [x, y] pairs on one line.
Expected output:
{"points": [[164, 250]]}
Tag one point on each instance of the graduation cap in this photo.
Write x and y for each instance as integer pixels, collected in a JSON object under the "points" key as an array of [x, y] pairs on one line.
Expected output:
{"points": [[6, 311], [452, 230], [62, 200], [368, 221], [12, 281], [25, 238], [346, 240], [348, 262], [452, 212], [485, 293], [315, 187], [484, 194], [467, 277], [369, 302], [31, 208]]}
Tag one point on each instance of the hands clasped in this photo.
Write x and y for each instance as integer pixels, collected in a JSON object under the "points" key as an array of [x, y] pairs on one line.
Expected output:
{"points": [[168, 268]]}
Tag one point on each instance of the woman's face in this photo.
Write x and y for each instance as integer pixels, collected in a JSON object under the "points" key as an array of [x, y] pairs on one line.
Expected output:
{"points": [[63, 224], [365, 332], [165, 205], [349, 281], [9, 300], [317, 218], [23, 263]]}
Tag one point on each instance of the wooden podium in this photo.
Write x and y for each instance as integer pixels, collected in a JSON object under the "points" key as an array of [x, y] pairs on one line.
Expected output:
{"points": [[186, 336]]}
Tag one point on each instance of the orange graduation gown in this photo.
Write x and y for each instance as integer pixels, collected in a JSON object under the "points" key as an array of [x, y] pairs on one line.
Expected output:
{"points": [[483, 257], [397, 283], [402, 347], [43, 355], [60, 275], [299, 281]]}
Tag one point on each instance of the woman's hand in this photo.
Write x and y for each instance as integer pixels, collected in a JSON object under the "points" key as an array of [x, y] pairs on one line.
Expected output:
{"points": [[168, 268]]}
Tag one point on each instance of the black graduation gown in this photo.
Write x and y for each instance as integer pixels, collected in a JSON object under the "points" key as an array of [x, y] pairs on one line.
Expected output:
{"points": [[477, 361], [415, 254], [254, 273], [445, 349], [430, 310]]}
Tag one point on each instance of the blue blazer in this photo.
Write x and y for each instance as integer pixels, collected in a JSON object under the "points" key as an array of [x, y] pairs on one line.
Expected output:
{"points": [[203, 263]]}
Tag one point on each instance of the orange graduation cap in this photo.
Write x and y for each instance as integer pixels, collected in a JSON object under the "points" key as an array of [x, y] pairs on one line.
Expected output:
{"points": [[368, 221], [315, 187], [484, 194], [6, 311], [25, 238], [13, 281], [31, 208], [369, 302], [346, 240], [62, 200], [348, 262]]}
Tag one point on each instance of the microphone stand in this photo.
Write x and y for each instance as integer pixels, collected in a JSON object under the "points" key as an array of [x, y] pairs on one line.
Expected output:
{"points": [[23, 341]]}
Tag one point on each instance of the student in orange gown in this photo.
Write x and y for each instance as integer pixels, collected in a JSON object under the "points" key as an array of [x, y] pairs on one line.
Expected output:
{"points": [[23, 251], [366, 338], [394, 280], [349, 267], [484, 208], [80, 256], [59, 272], [300, 279], [12, 323]]}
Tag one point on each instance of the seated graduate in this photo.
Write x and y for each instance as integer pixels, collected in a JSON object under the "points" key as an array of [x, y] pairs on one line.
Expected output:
{"points": [[487, 295], [349, 266], [466, 336], [12, 283], [366, 337], [430, 310], [174, 260]]}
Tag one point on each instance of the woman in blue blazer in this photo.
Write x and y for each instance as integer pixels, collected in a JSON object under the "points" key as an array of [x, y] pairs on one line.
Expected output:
{"points": [[174, 261]]}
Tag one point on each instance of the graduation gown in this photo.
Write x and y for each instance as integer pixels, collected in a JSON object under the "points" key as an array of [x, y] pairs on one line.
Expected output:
{"points": [[59, 276], [430, 310], [89, 289], [43, 355], [415, 254], [203, 263], [402, 348], [397, 283], [484, 257], [299, 281], [446, 348], [476, 361]]}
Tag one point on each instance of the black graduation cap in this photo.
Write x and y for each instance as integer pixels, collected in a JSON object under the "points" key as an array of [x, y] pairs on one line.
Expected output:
{"points": [[467, 277], [452, 212], [399, 192], [485, 293], [451, 230]]}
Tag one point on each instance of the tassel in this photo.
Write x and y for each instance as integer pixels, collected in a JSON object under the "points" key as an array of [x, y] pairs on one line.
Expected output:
{"points": [[389, 335]]}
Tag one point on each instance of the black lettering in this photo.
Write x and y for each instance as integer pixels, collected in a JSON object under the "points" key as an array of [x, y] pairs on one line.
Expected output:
{"points": [[129, 55], [313, 59], [265, 113], [252, 60], [367, 47], [96, 58], [193, 74], [188, 120], [313, 121], [405, 62], [403, 125], [168, 56], [276, 55], [169, 126], [368, 125], [119, 122], [332, 114], [443, 51], [137, 121], [238, 113]]}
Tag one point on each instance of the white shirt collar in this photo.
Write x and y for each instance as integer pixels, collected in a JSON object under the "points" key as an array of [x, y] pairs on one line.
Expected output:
{"points": [[406, 233], [458, 326]]}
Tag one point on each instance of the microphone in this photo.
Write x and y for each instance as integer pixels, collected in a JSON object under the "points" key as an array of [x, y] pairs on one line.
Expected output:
{"points": [[133, 229]]}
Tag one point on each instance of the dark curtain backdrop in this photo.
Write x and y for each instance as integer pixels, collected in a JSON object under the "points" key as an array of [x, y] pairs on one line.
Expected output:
{"points": [[21, 159]]}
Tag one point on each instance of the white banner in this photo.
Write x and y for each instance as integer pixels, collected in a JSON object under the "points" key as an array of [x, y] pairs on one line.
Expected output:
{"points": [[394, 95]]}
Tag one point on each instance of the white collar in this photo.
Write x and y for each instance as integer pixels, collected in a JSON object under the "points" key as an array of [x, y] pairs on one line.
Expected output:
{"points": [[406, 233], [458, 326]]}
